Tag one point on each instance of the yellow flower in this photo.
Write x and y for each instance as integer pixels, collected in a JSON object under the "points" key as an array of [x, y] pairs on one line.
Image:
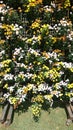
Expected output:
{"points": [[32, 3], [2, 73], [61, 94], [39, 37], [58, 64], [25, 90], [35, 1], [35, 24], [45, 27], [31, 0], [34, 76], [6, 63], [2, 41], [29, 40], [13, 100], [45, 54], [54, 74], [36, 111], [5, 86], [19, 9], [45, 68], [54, 39], [30, 86], [71, 69], [7, 70], [1, 99], [56, 85], [67, 3], [48, 97], [8, 29], [70, 86], [44, 30], [38, 98], [57, 51], [68, 94], [21, 76]]}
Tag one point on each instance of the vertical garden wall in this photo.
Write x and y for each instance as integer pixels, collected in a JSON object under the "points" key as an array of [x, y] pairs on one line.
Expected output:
{"points": [[36, 52]]}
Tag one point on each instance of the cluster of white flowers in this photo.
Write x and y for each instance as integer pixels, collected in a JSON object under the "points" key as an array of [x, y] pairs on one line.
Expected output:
{"points": [[35, 52], [44, 87], [70, 36], [3, 9], [6, 95], [65, 23], [67, 65], [11, 88], [20, 94], [17, 28], [54, 55], [8, 77], [2, 53], [19, 53]]}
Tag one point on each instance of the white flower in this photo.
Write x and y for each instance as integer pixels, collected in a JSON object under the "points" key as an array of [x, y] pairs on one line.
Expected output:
{"points": [[53, 4], [61, 72], [2, 18], [64, 83], [8, 7], [67, 65], [11, 88], [21, 57], [71, 99], [19, 91], [1, 65], [17, 32], [31, 50], [1, 2], [1, 8], [20, 27], [8, 77], [71, 12], [22, 98], [2, 52], [17, 51], [43, 87], [6, 95], [71, 54], [16, 25]]}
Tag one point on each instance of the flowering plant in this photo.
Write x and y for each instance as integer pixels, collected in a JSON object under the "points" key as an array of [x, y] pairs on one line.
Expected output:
{"points": [[36, 52]]}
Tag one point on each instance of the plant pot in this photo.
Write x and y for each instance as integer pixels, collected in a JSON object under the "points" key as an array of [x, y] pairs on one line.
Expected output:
{"points": [[9, 116], [69, 109], [4, 112]]}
